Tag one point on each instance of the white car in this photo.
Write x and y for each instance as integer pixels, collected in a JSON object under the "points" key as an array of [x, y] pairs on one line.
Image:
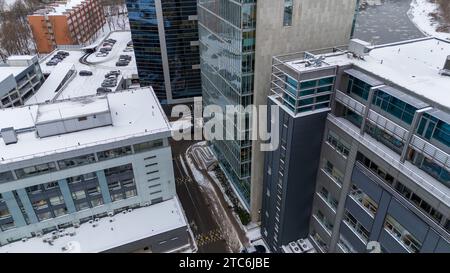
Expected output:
{"points": [[100, 54]]}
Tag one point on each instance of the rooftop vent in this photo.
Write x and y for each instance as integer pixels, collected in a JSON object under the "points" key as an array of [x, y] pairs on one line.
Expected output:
{"points": [[359, 48], [446, 70], [9, 135]]}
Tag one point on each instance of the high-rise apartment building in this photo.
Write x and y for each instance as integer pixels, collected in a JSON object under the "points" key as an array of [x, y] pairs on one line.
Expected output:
{"points": [[71, 22], [89, 173], [365, 149], [165, 40], [237, 42]]}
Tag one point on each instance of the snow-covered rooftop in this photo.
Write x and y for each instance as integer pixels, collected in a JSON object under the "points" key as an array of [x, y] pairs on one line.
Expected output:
{"points": [[60, 8], [127, 227], [71, 109], [413, 65], [47, 91], [87, 85], [134, 113], [6, 71], [20, 58]]}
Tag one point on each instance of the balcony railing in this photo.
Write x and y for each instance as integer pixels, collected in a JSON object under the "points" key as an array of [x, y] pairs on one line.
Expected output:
{"points": [[412, 174]]}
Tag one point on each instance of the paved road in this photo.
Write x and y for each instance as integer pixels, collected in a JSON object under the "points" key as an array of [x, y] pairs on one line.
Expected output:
{"points": [[206, 230], [198, 212]]}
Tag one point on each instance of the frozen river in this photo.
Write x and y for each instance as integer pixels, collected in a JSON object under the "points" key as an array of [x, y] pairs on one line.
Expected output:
{"points": [[386, 23]]}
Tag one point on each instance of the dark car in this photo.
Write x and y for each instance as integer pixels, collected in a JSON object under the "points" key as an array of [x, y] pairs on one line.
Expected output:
{"points": [[125, 57], [63, 53], [105, 49], [121, 63], [103, 90], [107, 84], [85, 73], [51, 63]]}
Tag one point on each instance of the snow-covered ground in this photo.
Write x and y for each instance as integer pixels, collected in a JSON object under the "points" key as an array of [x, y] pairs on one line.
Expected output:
{"points": [[420, 16]]}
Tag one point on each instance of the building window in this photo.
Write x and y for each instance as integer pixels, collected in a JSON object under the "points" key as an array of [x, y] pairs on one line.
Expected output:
{"points": [[122, 151], [402, 235], [419, 202], [4, 212], [78, 195], [345, 245], [324, 221], [359, 229], [363, 199], [323, 192], [338, 143], [319, 241], [287, 16], [334, 172], [36, 170], [431, 127], [146, 146], [76, 161], [56, 200], [394, 106]]}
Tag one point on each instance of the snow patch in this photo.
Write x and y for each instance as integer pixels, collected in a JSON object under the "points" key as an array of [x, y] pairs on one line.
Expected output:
{"points": [[420, 16]]}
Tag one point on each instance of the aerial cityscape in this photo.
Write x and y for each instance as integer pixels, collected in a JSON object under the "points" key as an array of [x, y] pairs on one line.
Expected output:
{"points": [[224, 126]]}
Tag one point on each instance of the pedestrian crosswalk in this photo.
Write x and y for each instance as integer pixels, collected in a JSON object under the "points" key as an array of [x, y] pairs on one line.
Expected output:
{"points": [[183, 180], [209, 237]]}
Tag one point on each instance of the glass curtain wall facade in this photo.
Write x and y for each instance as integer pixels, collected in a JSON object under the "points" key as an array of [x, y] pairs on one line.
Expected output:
{"points": [[227, 55], [147, 50], [181, 46]]}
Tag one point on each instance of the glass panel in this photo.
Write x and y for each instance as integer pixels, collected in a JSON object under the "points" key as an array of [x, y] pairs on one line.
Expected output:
{"points": [[287, 17]]}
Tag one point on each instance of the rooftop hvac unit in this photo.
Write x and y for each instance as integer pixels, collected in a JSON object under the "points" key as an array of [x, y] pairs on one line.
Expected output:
{"points": [[130, 210], [446, 70], [76, 225], [295, 248], [73, 233], [38, 234], [305, 245], [24, 239], [91, 221], [359, 48], [96, 219], [9, 135], [111, 220], [110, 214], [124, 211]]}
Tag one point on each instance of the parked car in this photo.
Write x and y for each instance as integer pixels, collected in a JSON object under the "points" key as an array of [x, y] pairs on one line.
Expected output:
{"points": [[105, 49], [103, 90], [111, 76], [107, 84], [51, 63], [125, 57], [110, 81], [63, 53], [101, 54], [121, 63], [85, 73]]}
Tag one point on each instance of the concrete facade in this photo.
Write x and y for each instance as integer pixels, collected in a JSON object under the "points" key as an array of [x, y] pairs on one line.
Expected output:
{"points": [[315, 25]]}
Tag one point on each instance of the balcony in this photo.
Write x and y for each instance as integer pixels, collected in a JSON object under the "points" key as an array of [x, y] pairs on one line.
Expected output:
{"points": [[424, 180]]}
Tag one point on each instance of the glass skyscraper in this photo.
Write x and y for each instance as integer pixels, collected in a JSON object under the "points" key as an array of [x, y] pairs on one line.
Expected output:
{"points": [[165, 39], [227, 44]]}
